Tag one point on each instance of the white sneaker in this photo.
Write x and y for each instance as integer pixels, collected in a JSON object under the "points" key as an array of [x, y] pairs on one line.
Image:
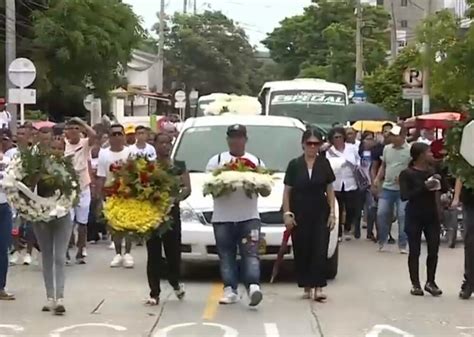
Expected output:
{"points": [[180, 292], [15, 259], [255, 295], [230, 296], [382, 249], [49, 305], [112, 246], [84, 252], [27, 260], [403, 251], [128, 261], [116, 261]]}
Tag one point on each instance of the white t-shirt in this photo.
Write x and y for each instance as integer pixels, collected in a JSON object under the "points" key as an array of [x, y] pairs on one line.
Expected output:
{"points": [[5, 119], [148, 151], [237, 206], [80, 158], [107, 158], [3, 165]]}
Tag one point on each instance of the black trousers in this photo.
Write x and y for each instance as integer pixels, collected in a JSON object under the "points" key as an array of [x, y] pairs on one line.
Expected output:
{"points": [[95, 224], [348, 201], [171, 242], [469, 245], [415, 226]]}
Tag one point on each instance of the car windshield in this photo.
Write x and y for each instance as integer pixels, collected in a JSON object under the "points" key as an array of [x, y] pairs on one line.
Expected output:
{"points": [[313, 107], [274, 145]]}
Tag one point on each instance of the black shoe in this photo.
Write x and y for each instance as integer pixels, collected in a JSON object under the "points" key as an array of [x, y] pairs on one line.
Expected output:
{"points": [[59, 308], [433, 289], [417, 291], [466, 292], [391, 241]]}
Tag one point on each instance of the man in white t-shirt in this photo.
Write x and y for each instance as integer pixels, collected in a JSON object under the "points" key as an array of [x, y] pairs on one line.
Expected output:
{"points": [[5, 116], [117, 152], [141, 147], [236, 222], [78, 147]]}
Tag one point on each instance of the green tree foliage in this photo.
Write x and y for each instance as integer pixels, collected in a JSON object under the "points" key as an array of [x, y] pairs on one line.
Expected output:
{"points": [[210, 52], [83, 43], [384, 86], [321, 41]]}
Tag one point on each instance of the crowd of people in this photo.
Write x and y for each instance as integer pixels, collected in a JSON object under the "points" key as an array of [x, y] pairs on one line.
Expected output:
{"points": [[385, 177]]}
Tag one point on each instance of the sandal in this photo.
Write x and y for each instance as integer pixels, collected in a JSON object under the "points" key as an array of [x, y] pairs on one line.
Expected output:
{"points": [[320, 297], [306, 294], [152, 301]]}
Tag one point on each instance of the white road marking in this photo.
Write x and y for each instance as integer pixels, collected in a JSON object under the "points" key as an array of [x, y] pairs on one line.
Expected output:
{"points": [[271, 330], [228, 331], [377, 329], [13, 327], [57, 332]]}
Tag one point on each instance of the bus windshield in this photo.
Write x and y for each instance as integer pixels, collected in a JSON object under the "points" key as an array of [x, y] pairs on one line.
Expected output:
{"points": [[312, 106]]}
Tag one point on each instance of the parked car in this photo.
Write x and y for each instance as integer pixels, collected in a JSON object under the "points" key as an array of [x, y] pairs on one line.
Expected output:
{"points": [[273, 139]]}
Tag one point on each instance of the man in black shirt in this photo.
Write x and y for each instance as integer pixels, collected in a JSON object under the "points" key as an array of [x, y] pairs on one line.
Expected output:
{"points": [[466, 196]]}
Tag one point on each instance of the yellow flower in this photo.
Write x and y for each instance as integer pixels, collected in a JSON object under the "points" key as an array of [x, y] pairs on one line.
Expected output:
{"points": [[136, 216]]}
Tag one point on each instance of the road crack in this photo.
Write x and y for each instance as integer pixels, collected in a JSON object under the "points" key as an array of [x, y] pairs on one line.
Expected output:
{"points": [[317, 327], [160, 314]]}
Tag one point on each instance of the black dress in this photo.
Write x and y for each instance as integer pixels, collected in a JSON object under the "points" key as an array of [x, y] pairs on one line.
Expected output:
{"points": [[309, 203]]}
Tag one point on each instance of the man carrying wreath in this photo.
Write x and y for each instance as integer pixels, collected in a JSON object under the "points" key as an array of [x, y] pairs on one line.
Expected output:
{"points": [[236, 223]]}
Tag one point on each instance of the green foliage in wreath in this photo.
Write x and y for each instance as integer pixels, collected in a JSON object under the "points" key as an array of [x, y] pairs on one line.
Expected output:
{"points": [[457, 165]]}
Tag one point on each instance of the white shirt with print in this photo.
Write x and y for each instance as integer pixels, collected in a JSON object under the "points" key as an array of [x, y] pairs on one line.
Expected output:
{"points": [[108, 157], [236, 206], [148, 151], [345, 175]]}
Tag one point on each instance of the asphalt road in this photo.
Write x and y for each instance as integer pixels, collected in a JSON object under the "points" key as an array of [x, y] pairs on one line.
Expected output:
{"points": [[369, 298]]}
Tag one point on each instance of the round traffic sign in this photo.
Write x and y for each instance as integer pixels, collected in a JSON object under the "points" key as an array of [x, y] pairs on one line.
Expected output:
{"points": [[194, 94], [180, 96], [22, 72], [466, 143], [413, 77], [88, 100]]}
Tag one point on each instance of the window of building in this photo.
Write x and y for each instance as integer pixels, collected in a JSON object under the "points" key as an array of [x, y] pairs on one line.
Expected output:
{"points": [[404, 23], [404, 3]]}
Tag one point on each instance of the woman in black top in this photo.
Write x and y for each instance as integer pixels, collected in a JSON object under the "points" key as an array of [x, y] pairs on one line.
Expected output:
{"points": [[308, 206], [419, 185], [171, 240]]}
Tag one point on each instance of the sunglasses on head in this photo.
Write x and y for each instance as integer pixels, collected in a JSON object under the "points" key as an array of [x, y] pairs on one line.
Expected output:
{"points": [[310, 143]]}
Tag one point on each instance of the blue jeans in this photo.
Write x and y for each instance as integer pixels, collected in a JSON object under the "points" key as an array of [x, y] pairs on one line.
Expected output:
{"points": [[246, 236], [5, 241], [369, 206], [387, 201]]}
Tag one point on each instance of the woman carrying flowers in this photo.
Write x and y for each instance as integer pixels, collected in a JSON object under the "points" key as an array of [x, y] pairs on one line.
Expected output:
{"points": [[43, 186], [170, 240]]}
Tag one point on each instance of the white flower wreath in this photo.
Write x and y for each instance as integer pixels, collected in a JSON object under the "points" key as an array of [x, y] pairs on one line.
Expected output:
{"points": [[27, 203], [233, 104]]}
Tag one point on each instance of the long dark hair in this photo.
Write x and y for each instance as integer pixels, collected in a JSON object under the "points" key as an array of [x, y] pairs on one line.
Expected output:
{"points": [[334, 131], [416, 150], [364, 136]]}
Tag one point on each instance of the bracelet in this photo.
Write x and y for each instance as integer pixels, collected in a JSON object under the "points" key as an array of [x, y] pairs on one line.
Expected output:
{"points": [[290, 214]]}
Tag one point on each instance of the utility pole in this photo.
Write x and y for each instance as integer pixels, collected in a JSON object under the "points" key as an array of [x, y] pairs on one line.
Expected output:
{"points": [[393, 35], [161, 47], [359, 48], [10, 54], [426, 69], [185, 6], [195, 7]]}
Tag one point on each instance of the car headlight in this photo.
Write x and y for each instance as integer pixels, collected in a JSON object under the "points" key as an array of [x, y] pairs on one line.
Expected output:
{"points": [[190, 215]]}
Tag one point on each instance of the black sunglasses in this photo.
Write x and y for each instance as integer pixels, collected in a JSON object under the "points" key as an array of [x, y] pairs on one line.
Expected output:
{"points": [[309, 143]]}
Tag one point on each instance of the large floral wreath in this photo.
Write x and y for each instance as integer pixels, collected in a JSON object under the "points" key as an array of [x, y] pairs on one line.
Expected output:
{"points": [[457, 165], [140, 196], [41, 186], [239, 173]]}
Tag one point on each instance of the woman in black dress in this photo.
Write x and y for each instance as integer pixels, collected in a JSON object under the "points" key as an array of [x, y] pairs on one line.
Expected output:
{"points": [[308, 206], [419, 186]]}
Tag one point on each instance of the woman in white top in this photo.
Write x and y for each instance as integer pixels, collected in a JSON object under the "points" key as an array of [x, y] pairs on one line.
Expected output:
{"points": [[345, 185]]}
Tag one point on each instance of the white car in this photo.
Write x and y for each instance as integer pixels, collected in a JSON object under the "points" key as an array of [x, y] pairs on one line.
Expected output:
{"points": [[275, 140]]}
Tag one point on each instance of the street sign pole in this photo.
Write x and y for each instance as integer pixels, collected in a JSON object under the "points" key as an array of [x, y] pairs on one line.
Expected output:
{"points": [[413, 108]]}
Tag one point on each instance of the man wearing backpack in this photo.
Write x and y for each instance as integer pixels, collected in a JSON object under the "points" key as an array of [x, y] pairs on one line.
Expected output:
{"points": [[236, 222]]}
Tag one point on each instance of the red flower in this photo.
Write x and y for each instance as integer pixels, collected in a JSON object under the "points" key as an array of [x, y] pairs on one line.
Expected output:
{"points": [[115, 167], [247, 163], [150, 167], [144, 178]]}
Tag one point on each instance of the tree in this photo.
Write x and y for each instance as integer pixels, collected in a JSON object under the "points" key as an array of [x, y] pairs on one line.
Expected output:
{"points": [[321, 41], [209, 52], [80, 46]]}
